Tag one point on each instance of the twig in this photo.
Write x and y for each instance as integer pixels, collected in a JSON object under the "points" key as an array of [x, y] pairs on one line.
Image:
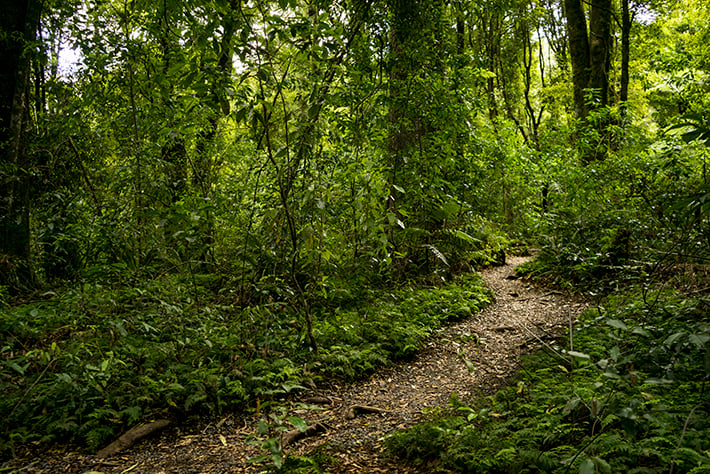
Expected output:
{"points": [[23, 468], [702, 290], [318, 400], [27, 392], [129, 469], [543, 342], [682, 435], [571, 335], [581, 450]]}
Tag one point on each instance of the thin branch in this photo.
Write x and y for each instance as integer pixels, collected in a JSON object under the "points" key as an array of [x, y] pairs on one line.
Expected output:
{"points": [[682, 435]]}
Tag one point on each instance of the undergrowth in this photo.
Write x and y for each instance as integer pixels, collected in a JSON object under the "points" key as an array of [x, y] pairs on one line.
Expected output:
{"points": [[85, 364], [628, 393]]}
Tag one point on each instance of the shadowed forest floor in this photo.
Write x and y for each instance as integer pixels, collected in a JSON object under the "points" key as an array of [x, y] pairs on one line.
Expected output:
{"points": [[468, 359]]}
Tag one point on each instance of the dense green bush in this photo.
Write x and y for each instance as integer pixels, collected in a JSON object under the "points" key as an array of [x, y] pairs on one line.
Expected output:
{"points": [[621, 221]]}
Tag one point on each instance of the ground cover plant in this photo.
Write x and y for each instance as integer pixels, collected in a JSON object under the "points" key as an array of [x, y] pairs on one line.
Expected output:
{"points": [[85, 365], [627, 392]]}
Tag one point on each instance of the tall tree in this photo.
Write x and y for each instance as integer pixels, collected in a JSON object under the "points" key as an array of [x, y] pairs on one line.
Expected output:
{"points": [[626, 24], [579, 53], [18, 30], [600, 50], [590, 52]]}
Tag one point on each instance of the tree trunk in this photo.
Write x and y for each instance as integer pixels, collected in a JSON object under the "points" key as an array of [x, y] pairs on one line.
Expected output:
{"points": [[626, 23], [174, 152], [493, 57], [579, 53], [591, 62], [600, 50], [460, 30], [18, 26], [459, 66]]}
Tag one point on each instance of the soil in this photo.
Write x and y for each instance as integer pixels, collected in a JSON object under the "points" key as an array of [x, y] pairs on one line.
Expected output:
{"points": [[471, 358]]}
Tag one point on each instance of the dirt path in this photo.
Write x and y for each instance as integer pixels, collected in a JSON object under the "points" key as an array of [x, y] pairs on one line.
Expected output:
{"points": [[468, 358]]}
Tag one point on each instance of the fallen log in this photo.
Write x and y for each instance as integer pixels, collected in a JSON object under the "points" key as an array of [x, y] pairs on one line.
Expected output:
{"points": [[131, 436]]}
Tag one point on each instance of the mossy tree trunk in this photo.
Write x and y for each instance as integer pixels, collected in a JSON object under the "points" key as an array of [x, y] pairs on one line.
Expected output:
{"points": [[18, 27]]}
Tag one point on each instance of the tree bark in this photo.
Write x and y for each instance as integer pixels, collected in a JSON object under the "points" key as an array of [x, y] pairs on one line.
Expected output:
{"points": [[626, 23], [493, 57], [18, 28], [600, 50], [579, 53], [459, 66], [591, 61]]}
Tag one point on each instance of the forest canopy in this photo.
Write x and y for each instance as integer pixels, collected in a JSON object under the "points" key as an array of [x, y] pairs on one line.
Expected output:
{"points": [[234, 190], [298, 141]]}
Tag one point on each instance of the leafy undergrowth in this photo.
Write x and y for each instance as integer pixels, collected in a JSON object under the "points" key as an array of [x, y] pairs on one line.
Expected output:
{"points": [[358, 340], [83, 365], [629, 393]]}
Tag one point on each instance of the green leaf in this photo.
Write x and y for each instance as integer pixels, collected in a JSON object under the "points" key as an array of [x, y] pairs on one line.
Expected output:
{"points": [[579, 355], [313, 111], [437, 253], [587, 467], [657, 381], [258, 459], [298, 422], [277, 459], [393, 219], [641, 331], [614, 353], [601, 464], [571, 405], [615, 323], [698, 340], [292, 386], [465, 237], [262, 427], [673, 338], [17, 368]]}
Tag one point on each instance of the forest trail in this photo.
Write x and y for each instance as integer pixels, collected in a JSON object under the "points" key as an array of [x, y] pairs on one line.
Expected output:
{"points": [[469, 358]]}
